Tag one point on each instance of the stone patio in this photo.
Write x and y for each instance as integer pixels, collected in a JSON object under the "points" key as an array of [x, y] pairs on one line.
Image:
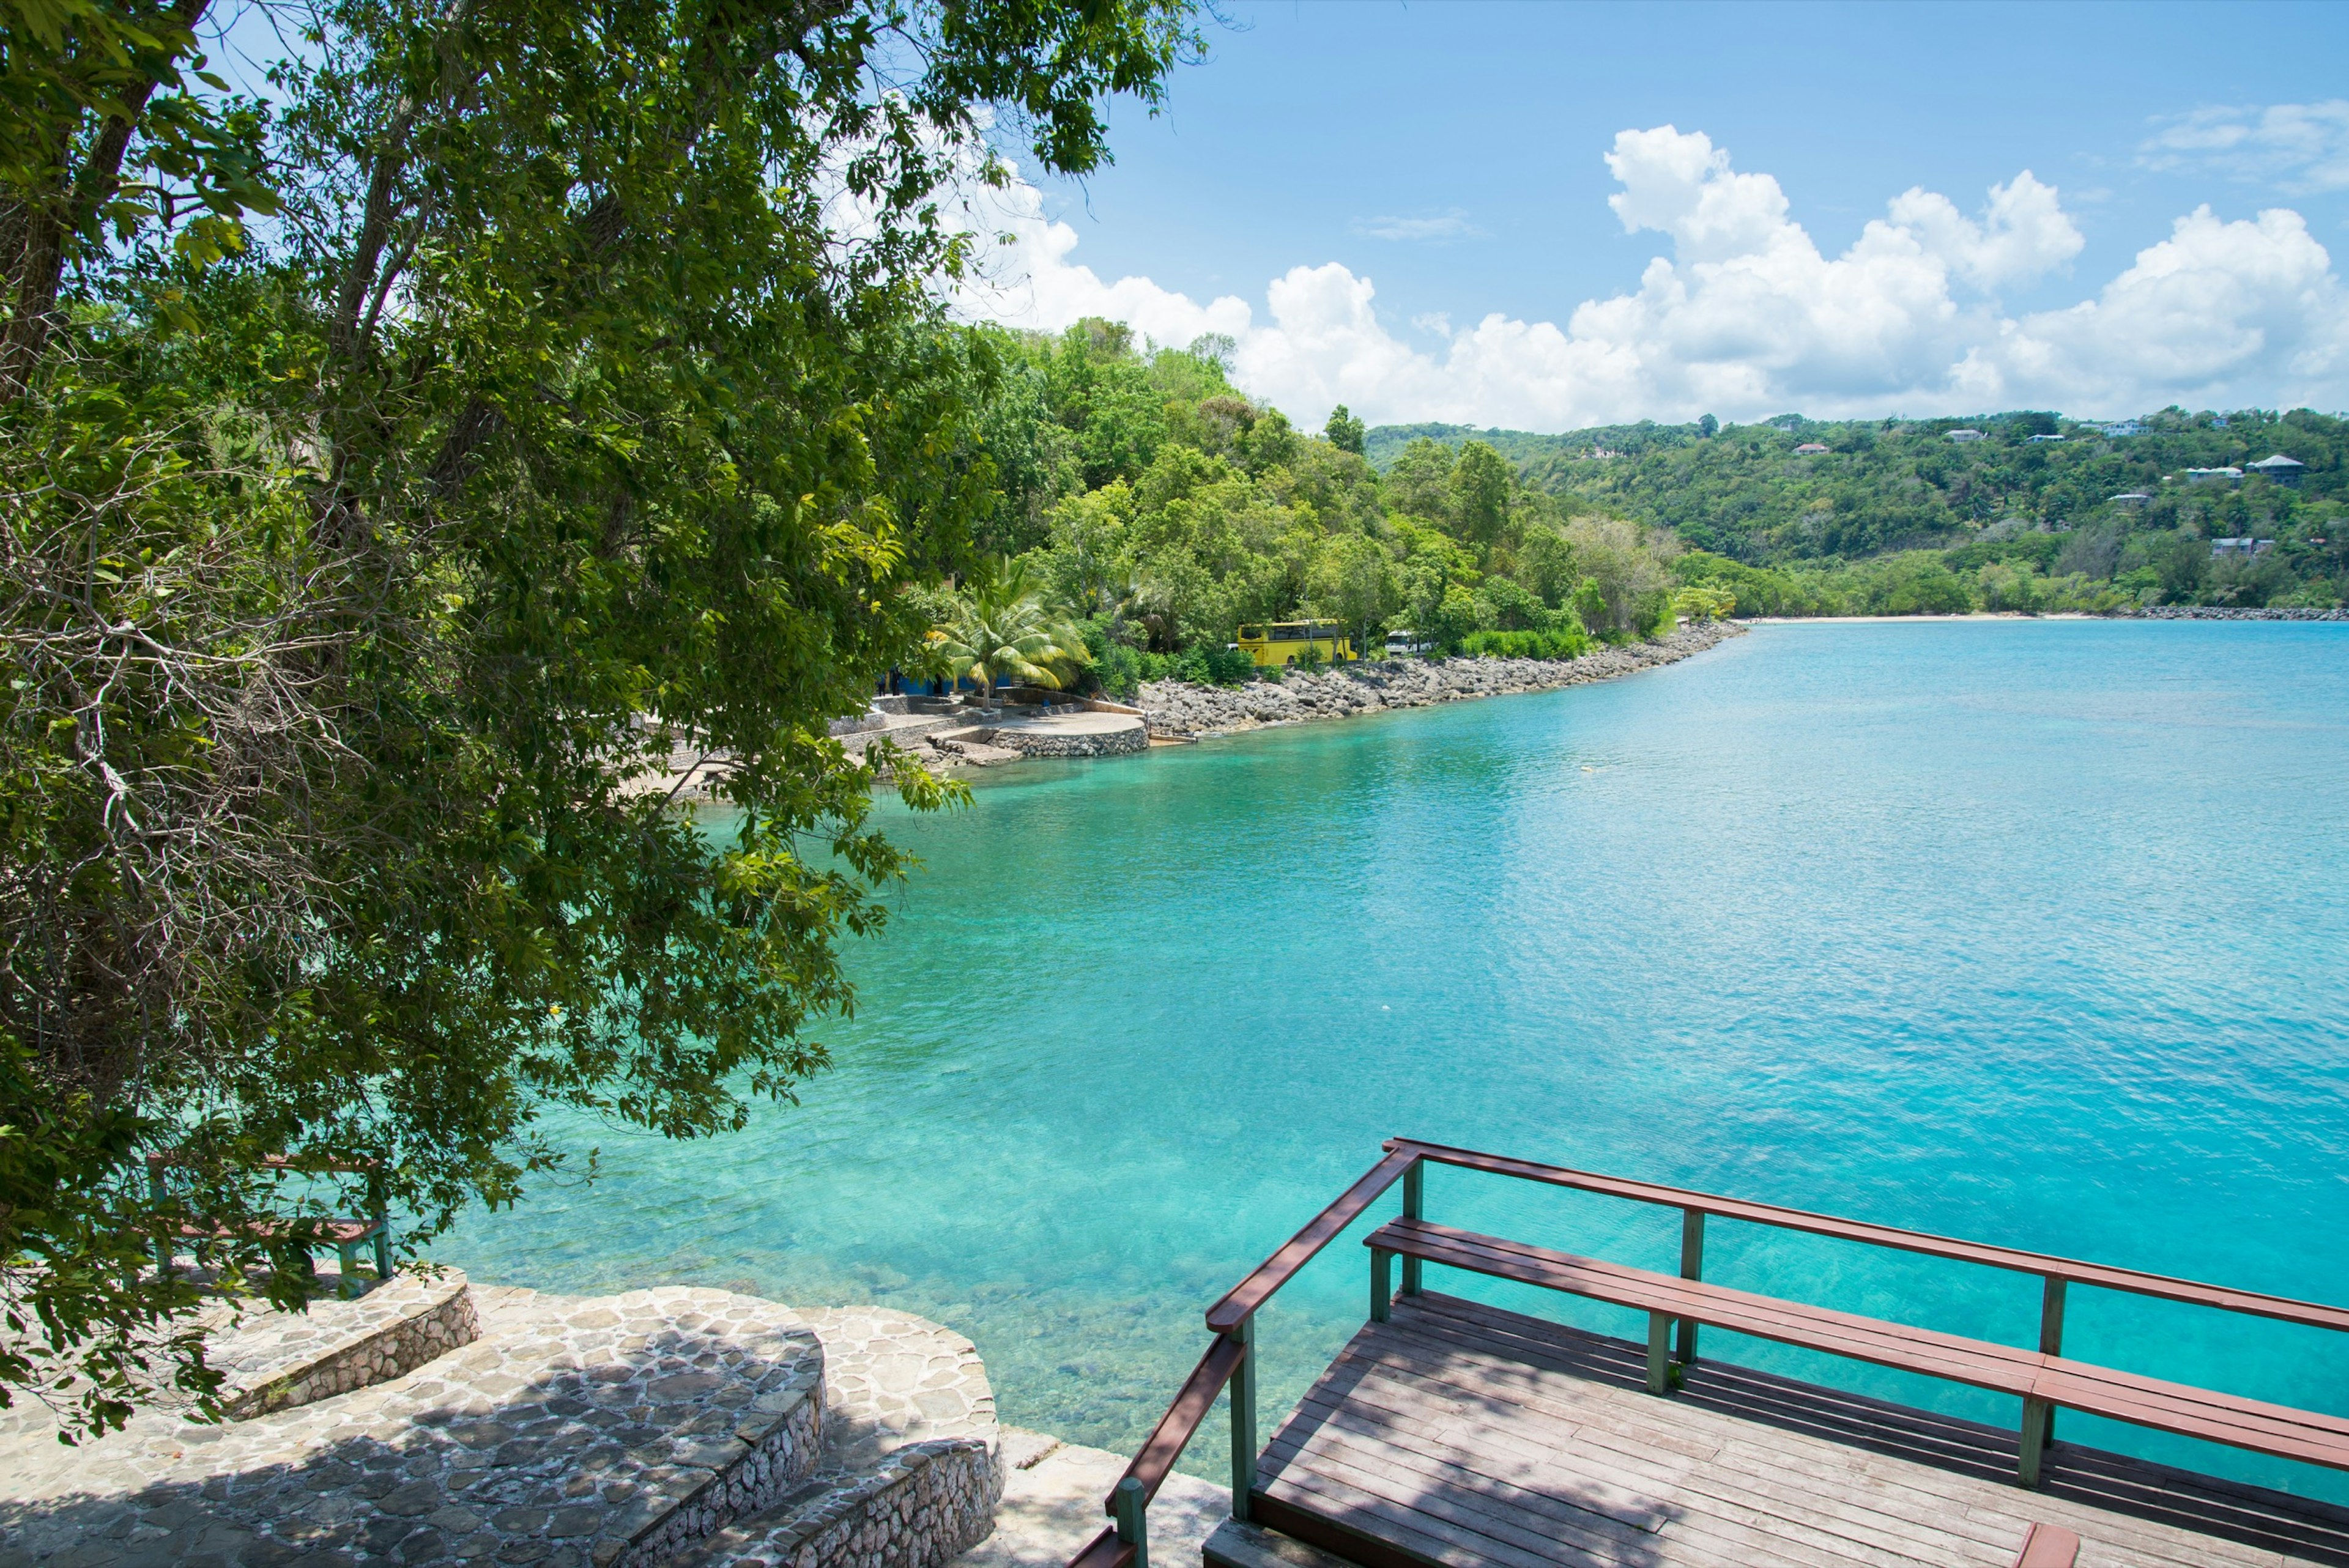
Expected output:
{"points": [[575, 1432]]}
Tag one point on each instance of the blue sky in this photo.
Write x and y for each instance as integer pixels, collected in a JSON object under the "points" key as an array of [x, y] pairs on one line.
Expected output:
{"points": [[1454, 157]]}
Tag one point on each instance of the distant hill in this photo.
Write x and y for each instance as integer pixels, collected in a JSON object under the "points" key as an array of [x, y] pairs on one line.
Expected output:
{"points": [[1747, 493]]}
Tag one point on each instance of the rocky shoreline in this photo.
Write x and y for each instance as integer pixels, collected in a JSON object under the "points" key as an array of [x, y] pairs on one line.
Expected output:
{"points": [[2220, 612], [1179, 710]]}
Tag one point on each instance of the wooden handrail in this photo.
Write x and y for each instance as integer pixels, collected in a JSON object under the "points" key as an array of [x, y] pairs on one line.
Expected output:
{"points": [[2315, 1315], [1103, 1551], [1175, 1429], [1230, 1317], [1300, 1249], [302, 1164]]}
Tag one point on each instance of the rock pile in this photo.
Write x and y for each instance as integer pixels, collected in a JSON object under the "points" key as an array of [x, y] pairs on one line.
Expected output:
{"points": [[1179, 709], [2222, 613]]}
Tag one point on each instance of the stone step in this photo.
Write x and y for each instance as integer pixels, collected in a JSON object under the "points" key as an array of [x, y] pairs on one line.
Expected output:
{"points": [[922, 1505], [912, 1466], [604, 1432], [1053, 1498], [278, 1360], [1237, 1545]]}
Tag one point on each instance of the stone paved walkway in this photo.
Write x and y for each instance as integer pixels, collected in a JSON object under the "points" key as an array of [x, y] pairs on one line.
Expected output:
{"points": [[576, 1432], [892, 1379], [559, 1438], [1052, 1495]]}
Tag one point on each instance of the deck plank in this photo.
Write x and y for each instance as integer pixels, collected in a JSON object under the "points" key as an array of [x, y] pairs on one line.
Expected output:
{"points": [[1459, 1434]]}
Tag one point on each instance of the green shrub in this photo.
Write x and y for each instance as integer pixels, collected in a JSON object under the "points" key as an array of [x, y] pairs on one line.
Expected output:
{"points": [[1204, 665], [1569, 644]]}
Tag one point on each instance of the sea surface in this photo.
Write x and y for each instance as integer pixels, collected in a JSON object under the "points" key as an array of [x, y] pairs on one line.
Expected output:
{"points": [[2029, 931]]}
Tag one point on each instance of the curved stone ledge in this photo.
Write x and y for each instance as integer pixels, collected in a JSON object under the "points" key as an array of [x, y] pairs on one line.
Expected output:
{"points": [[1086, 734], [281, 1360], [922, 1506]]}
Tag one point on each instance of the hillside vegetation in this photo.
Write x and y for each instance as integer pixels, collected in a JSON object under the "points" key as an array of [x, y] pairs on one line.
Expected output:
{"points": [[1153, 509], [1895, 517]]}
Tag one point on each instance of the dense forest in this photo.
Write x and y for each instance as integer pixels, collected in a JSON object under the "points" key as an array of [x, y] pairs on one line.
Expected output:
{"points": [[1895, 517], [1150, 509]]}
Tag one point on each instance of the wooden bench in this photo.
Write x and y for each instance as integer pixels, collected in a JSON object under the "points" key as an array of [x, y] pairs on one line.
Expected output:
{"points": [[2048, 1546], [347, 1235], [2044, 1382]]}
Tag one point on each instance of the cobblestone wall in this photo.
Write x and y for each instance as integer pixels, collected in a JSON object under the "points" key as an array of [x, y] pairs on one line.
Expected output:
{"points": [[924, 1505], [784, 1447], [1119, 742], [373, 1348]]}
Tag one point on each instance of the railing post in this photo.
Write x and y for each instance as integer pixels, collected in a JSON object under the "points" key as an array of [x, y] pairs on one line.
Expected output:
{"points": [[1132, 1511], [155, 1194], [1414, 1194], [2051, 1336], [1243, 1398], [1382, 1283], [380, 1203], [1691, 1267], [1659, 1339], [2037, 1414]]}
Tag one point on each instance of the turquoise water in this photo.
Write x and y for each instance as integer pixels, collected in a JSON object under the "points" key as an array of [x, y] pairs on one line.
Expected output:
{"points": [[2024, 931]]}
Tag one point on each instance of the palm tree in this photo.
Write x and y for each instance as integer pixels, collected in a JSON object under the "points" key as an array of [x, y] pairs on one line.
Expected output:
{"points": [[1001, 631]]}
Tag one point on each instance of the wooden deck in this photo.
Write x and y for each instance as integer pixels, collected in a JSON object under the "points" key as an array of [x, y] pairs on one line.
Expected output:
{"points": [[1458, 1434]]}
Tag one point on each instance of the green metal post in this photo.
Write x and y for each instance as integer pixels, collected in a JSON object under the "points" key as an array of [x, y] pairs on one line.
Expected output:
{"points": [[162, 1233], [1382, 1283], [382, 1218], [2051, 1337], [1414, 1193], [1243, 1399], [2036, 1413], [1660, 1341], [1691, 1267], [1131, 1510]]}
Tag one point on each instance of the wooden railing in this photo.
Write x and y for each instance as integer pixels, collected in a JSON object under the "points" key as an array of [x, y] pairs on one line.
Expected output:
{"points": [[1231, 1359], [372, 1229], [1231, 1356]]}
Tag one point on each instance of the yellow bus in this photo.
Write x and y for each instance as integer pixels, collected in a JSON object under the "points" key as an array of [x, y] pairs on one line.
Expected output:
{"points": [[1291, 642]]}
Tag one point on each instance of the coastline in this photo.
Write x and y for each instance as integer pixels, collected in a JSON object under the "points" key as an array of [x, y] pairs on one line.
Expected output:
{"points": [[2153, 613], [1179, 711]]}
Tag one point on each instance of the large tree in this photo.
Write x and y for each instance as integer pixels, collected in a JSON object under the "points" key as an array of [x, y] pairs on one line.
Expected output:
{"points": [[585, 395]]}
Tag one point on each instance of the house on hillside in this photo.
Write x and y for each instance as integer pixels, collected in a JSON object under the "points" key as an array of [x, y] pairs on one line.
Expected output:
{"points": [[2210, 475], [2120, 428], [2130, 498], [2046, 438], [2243, 547], [1809, 447], [2282, 470], [1966, 436]]}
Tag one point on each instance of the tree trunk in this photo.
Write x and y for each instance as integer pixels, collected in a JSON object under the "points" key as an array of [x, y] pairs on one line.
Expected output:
{"points": [[42, 224]]}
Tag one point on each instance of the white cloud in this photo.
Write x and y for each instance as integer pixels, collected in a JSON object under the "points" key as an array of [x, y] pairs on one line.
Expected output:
{"points": [[1441, 228], [1747, 316], [2023, 234], [2301, 147]]}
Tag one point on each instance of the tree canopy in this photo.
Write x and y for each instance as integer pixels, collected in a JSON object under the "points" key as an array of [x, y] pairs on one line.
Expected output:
{"points": [[582, 391], [1895, 517], [1153, 500]]}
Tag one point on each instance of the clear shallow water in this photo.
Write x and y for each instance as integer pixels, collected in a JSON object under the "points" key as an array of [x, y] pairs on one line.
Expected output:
{"points": [[2025, 931]]}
